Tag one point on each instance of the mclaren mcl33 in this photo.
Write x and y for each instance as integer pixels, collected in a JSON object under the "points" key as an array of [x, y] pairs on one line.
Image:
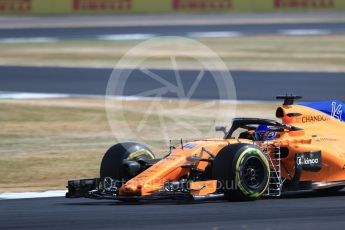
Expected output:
{"points": [[256, 157]]}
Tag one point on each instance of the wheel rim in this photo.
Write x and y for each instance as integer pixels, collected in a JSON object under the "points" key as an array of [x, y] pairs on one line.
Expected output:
{"points": [[253, 172]]}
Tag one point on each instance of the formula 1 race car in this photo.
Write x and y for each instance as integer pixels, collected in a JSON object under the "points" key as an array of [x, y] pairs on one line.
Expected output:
{"points": [[256, 157]]}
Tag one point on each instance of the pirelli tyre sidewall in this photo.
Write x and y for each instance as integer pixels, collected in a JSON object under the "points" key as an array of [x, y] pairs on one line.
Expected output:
{"points": [[111, 165], [243, 158], [141, 154], [230, 167]]}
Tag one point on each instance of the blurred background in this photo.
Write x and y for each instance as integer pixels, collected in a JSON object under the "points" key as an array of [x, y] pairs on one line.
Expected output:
{"points": [[56, 57]]}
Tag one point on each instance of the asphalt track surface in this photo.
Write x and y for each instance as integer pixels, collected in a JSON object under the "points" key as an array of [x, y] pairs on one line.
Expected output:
{"points": [[296, 211], [255, 85], [168, 30], [114, 20]]}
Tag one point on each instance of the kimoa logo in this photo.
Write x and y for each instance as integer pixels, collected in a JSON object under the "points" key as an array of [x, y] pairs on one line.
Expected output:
{"points": [[307, 161]]}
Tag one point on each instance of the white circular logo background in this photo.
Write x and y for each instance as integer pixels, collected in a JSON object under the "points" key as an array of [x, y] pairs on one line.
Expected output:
{"points": [[148, 104]]}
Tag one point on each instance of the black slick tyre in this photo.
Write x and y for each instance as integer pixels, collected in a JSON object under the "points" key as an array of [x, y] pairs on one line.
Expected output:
{"points": [[111, 165], [243, 172]]}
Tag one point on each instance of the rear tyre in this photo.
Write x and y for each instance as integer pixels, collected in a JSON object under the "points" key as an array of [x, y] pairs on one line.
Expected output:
{"points": [[243, 172], [111, 165]]}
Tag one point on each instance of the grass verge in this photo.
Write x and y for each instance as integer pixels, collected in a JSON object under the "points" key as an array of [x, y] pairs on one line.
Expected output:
{"points": [[276, 53]]}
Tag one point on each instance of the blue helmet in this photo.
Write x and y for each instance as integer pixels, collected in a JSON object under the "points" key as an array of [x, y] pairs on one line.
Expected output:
{"points": [[261, 130]]}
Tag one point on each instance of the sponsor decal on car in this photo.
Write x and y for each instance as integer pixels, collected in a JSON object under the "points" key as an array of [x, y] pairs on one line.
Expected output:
{"points": [[189, 146], [309, 161], [201, 4], [337, 110], [328, 139], [102, 5], [313, 119], [303, 4], [15, 6]]}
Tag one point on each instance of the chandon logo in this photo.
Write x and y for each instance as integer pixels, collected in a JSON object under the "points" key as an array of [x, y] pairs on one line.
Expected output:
{"points": [[317, 118]]}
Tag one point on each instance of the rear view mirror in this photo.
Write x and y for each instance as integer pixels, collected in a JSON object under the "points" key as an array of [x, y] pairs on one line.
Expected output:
{"points": [[277, 129], [221, 128]]}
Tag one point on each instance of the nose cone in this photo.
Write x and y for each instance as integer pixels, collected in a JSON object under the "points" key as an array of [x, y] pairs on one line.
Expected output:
{"points": [[130, 189]]}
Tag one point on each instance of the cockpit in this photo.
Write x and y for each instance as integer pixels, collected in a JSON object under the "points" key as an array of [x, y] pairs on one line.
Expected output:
{"points": [[257, 129]]}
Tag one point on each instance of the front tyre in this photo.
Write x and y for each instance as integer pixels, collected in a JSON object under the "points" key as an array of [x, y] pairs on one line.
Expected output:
{"points": [[243, 171], [112, 162]]}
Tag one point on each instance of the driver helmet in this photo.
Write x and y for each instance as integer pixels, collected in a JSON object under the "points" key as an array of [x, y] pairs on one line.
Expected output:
{"points": [[260, 132]]}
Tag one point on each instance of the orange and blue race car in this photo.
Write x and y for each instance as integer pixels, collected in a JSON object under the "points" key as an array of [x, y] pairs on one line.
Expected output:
{"points": [[256, 157]]}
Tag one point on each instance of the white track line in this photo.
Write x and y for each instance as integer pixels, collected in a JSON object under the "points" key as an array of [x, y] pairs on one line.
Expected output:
{"points": [[141, 36], [28, 40], [304, 32], [121, 37], [27, 96], [26, 195], [17, 95], [216, 34]]}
